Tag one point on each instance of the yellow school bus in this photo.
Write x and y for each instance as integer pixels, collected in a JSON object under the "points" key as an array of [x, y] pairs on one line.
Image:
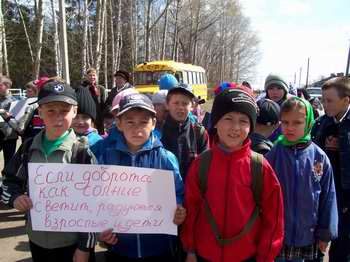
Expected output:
{"points": [[146, 76]]}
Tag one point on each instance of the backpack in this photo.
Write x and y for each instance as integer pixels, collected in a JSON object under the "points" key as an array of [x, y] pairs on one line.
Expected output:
{"points": [[79, 156], [257, 185]]}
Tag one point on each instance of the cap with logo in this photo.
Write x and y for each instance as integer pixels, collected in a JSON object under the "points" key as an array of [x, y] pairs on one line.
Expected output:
{"points": [[234, 100], [135, 101], [54, 91]]}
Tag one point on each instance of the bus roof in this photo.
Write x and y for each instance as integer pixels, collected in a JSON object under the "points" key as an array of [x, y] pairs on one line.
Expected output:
{"points": [[167, 65]]}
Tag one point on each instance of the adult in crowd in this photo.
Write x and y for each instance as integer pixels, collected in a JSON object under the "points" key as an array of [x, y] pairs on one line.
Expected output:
{"points": [[30, 124], [121, 82], [99, 95], [8, 136]]}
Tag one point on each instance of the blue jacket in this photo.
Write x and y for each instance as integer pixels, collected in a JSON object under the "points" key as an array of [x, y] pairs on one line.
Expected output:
{"points": [[319, 137], [113, 151], [306, 179]]}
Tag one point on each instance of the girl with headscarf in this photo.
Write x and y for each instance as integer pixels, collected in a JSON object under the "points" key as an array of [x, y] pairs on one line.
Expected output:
{"points": [[306, 177]]}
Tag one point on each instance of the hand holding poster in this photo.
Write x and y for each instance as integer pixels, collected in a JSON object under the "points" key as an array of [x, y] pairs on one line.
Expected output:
{"points": [[93, 198]]}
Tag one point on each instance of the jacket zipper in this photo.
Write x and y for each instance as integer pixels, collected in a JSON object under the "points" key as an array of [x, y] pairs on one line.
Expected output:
{"points": [[295, 197], [138, 238]]}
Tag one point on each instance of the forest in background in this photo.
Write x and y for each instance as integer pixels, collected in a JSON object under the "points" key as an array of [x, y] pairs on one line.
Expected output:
{"points": [[119, 34]]}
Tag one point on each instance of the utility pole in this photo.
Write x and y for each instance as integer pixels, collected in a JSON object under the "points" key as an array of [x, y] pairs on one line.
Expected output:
{"points": [[300, 76], [63, 44], [348, 63], [307, 72]]}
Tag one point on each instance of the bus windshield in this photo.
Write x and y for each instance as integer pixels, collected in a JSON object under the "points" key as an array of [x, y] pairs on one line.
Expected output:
{"points": [[149, 78]]}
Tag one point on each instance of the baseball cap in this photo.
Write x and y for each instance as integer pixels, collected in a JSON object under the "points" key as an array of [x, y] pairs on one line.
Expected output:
{"points": [[135, 101], [183, 88], [159, 97], [120, 96], [54, 91], [269, 112]]}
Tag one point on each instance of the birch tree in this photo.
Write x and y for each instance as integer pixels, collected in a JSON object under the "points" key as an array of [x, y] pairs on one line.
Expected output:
{"points": [[39, 25]]}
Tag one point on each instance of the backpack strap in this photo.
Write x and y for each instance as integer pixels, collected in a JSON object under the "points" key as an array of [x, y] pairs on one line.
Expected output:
{"points": [[79, 152], [257, 183], [256, 171], [204, 164]]}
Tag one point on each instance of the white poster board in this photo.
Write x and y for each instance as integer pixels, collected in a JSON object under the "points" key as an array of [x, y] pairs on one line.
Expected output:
{"points": [[93, 198], [18, 107]]}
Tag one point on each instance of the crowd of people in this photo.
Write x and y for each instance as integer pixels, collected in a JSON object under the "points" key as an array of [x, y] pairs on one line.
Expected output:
{"points": [[256, 179]]}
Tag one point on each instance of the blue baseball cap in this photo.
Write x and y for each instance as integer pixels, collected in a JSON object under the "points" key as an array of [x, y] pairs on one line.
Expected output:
{"points": [[135, 101], [183, 88]]}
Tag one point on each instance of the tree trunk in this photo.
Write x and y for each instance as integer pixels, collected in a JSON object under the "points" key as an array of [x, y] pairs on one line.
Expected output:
{"points": [[148, 31], [56, 41], [173, 56], [25, 31], [162, 54], [119, 42], [2, 42], [39, 26], [99, 36], [84, 49], [111, 25], [106, 53]]}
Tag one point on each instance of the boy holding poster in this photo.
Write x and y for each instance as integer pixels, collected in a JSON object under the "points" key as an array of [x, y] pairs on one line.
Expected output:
{"points": [[55, 144], [134, 144]]}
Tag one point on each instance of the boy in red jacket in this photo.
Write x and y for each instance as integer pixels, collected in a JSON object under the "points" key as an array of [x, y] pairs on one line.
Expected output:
{"points": [[229, 194]]}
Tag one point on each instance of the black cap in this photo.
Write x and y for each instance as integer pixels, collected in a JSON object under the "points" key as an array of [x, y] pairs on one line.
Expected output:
{"points": [[86, 104], [182, 88], [234, 100], [135, 101], [269, 112], [123, 74], [54, 91]]}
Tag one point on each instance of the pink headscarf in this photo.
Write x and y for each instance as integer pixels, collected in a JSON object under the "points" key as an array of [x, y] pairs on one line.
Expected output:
{"points": [[121, 95]]}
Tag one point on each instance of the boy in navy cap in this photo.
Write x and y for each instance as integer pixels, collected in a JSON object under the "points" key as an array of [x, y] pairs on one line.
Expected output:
{"points": [[266, 122], [57, 107], [180, 135]]}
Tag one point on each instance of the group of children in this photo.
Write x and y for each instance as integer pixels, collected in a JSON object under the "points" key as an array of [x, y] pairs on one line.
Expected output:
{"points": [[233, 204]]}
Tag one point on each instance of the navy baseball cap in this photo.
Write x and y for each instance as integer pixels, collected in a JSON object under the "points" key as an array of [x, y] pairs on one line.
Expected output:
{"points": [[135, 101], [269, 112], [54, 91], [183, 88]]}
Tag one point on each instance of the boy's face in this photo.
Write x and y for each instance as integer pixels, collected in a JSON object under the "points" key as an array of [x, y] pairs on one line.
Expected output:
{"points": [[31, 92], [293, 124], [81, 123], [3, 89], [334, 105], [233, 128], [179, 106], [57, 117], [275, 93], [136, 125]]}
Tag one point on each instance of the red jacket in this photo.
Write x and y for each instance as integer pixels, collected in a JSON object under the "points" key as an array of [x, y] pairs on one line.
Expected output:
{"points": [[230, 197]]}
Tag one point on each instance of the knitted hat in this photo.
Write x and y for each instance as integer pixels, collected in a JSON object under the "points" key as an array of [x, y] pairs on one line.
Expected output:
{"points": [[237, 100], [159, 97], [167, 82], [269, 112], [223, 86], [86, 104], [120, 96], [274, 79]]}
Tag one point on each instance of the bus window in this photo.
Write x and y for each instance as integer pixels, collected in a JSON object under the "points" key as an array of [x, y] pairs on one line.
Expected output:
{"points": [[179, 77], [190, 81], [185, 79], [148, 78], [202, 77]]}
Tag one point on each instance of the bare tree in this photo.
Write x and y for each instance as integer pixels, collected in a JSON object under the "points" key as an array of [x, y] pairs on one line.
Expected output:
{"points": [[84, 50], [39, 25], [56, 41]]}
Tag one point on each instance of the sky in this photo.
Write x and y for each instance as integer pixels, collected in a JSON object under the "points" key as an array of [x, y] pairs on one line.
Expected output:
{"points": [[291, 31]]}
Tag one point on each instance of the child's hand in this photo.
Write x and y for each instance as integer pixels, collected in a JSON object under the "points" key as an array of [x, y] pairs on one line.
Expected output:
{"points": [[23, 203], [322, 246], [81, 256], [108, 237], [191, 257], [180, 215]]}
